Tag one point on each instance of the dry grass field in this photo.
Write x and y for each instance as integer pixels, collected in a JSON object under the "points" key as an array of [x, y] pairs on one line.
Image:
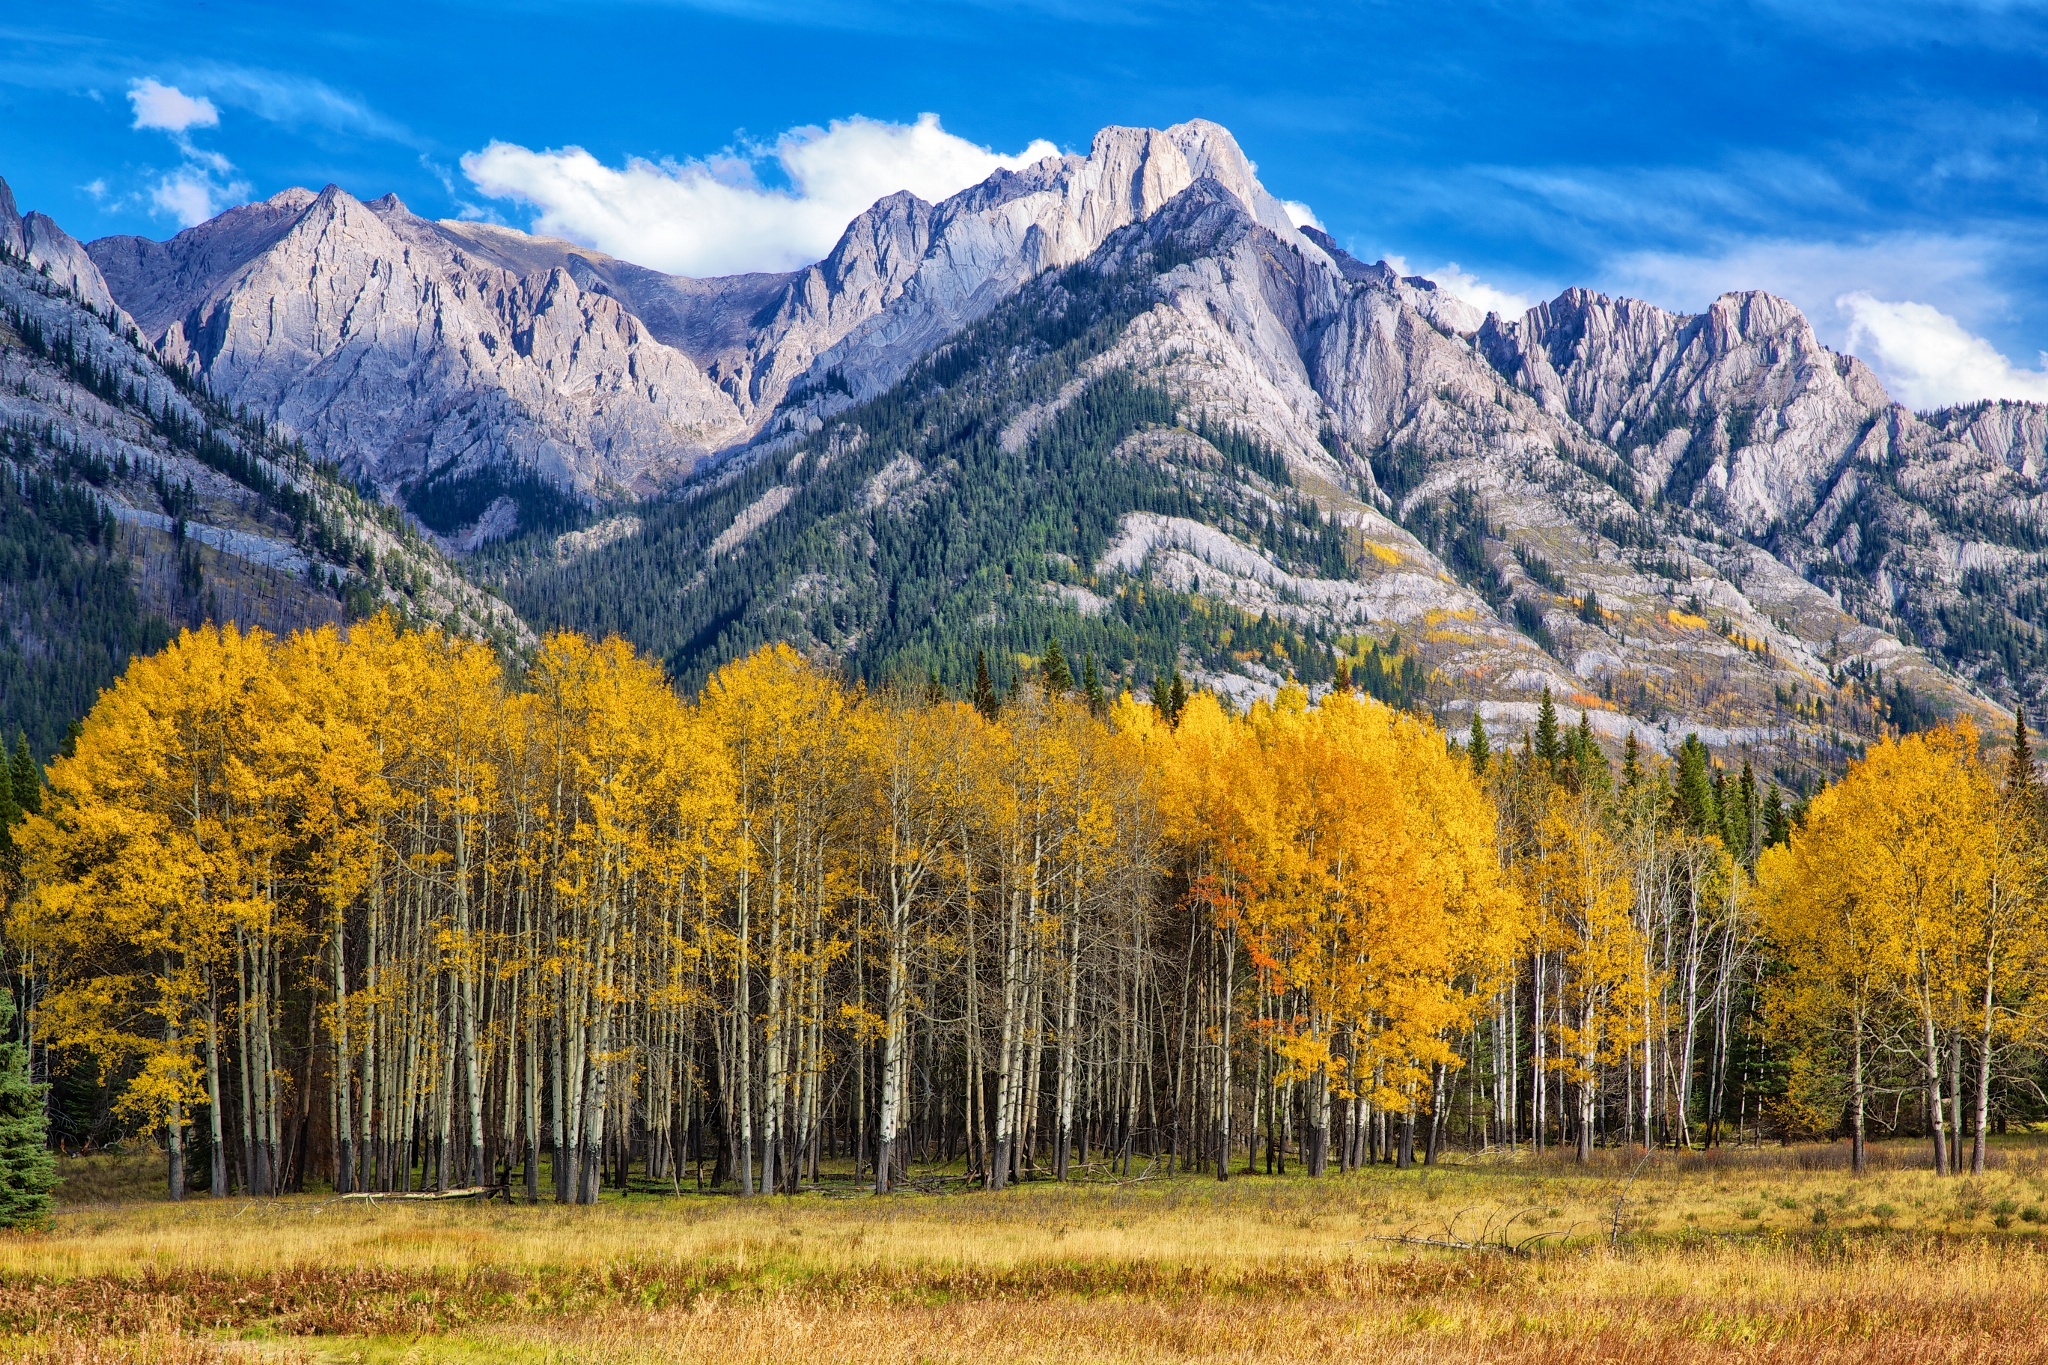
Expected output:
{"points": [[1775, 1254]]}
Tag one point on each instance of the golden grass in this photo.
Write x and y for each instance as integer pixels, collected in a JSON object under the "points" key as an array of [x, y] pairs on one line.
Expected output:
{"points": [[1756, 1255]]}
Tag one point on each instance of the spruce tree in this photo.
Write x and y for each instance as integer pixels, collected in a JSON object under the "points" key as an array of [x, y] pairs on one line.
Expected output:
{"points": [[1059, 679], [27, 1170], [1777, 828], [2019, 768], [1742, 821], [1549, 747], [1590, 763], [1631, 762], [1091, 688], [984, 690], [1169, 694], [1476, 747], [28, 783], [1589, 609], [10, 815], [1694, 798]]}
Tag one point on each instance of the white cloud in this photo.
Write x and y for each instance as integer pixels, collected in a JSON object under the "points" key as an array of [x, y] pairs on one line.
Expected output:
{"points": [[712, 217], [1481, 295], [1453, 280], [293, 101], [1301, 215], [204, 184], [169, 109], [1929, 360], [1953, 270], [190, 195]]}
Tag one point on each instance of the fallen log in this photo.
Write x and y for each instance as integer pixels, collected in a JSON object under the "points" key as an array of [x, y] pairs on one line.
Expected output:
{"points": [[466, 1192]]}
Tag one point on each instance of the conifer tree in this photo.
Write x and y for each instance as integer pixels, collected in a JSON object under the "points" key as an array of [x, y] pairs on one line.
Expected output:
{"points": [[1059, 679], [1589, 609], [1587, 760], [1777, 828], [1091, 688], [1476, 748], [1549, 747], [1694, 798], [28, 785], [1169, 694], [1741, 816], [2019, 767], [1631, 762], [10, 815], [27, 1170], [984, 690]]}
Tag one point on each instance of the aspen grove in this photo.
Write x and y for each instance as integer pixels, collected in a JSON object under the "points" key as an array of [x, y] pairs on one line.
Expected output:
{"points": [[373, 909]]}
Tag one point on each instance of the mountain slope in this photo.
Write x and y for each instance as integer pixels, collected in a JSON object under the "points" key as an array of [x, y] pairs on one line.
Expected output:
{"points": [[134, 503], [1221, 448]]}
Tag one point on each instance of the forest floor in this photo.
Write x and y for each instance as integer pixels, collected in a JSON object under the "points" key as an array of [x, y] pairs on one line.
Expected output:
{"points": [[1760, 1254]]}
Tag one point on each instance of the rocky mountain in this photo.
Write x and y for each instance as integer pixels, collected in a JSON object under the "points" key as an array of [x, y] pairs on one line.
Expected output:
{"points": [[134, 502], [1120, 398], [481, 376], [1218, 445]]}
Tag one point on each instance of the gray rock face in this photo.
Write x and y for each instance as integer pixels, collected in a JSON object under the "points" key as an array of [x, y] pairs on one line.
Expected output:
{"points": [[53, 253], [985, 242], [411, 360]]}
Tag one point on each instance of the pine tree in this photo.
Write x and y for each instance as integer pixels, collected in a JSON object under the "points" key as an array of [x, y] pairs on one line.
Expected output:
{"points": [[1631, 763], [1587, 760], [2019, 767], [28, 783], [1777, 826], [1549, 747], [1169, 694], [10, 815], [1477, 750], [27, 1170], [1589, 609], [1742, 821], [1694, 799], [1059, 679], [1091, 688], [984, 690]]}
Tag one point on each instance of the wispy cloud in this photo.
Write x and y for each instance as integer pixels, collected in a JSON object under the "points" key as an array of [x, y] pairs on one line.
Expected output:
{"points": [[291, 100], [1954, 269], [712, 216], [1902, 303]]}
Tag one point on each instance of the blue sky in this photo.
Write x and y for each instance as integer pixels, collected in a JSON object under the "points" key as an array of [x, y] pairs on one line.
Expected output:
{"points": [[1886, 166]]}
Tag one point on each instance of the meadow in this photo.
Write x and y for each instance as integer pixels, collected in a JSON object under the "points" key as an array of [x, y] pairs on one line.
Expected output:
{"points": [[1775, 1253]]}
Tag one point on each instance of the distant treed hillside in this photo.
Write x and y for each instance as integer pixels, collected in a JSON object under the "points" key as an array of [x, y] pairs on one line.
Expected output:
{"points": [[133, 503], [965, 512]]}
